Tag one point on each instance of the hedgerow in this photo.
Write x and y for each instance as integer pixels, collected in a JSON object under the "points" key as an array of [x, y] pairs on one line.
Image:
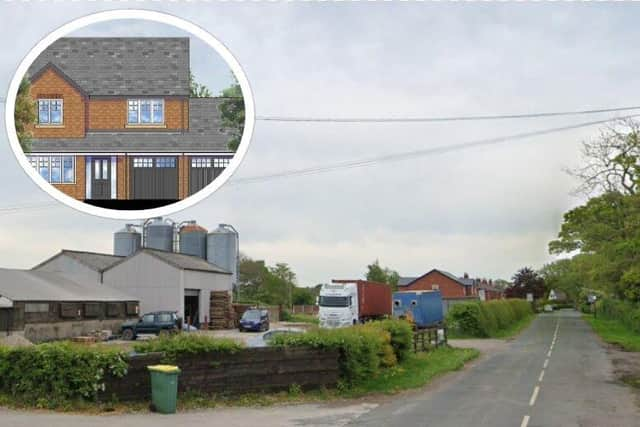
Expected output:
{"points": [[485, 319], [49, 375], [186, 344], [624, 311], [363, 349]]}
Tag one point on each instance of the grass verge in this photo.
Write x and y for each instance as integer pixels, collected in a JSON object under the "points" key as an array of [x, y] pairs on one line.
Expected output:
{"points": [[510, 332], [614, 332], [418, 370]]}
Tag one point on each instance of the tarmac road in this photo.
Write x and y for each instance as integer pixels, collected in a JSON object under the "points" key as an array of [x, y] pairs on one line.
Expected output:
{"points": [[556, 373]]}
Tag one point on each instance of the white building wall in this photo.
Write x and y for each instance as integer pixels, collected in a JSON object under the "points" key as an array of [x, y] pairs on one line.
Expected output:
{"points": [[155, 283], [70, 268]]}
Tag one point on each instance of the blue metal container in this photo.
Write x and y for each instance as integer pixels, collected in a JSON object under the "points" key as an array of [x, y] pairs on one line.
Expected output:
{"points": [[423, 308]]}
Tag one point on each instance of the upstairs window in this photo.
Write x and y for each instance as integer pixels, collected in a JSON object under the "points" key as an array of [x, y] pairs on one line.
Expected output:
{"points": [[145, 111], [50, 111]]}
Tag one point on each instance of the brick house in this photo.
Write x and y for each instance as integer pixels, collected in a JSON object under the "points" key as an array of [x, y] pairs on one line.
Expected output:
{"points": [[116, 121], [488, 290], [449, 285]]}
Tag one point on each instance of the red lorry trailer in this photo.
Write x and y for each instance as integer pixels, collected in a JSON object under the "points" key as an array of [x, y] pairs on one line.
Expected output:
{"points": [[374, 299]]}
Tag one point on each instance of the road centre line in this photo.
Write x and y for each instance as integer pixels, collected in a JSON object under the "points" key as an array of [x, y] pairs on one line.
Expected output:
{"points": [[525, 421], [534, 396], [546, 363], [541, 376], [549, 353]]}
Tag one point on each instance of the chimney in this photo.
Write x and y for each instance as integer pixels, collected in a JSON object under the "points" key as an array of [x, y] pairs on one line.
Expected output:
{"points": [[466, 275]]}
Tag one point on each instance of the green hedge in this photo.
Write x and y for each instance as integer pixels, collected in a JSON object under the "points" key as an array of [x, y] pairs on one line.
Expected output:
{"points": [[49, 375], [363, 349], [186, 343], [485, 319], [625, 312]]}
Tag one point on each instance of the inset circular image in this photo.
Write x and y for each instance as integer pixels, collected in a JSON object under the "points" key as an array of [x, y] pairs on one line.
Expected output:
{"points": [[130, 114]]}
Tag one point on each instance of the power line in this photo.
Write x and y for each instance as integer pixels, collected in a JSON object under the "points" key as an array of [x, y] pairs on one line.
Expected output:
{"points": [[419, 153], [7, 210], [443, 118]]}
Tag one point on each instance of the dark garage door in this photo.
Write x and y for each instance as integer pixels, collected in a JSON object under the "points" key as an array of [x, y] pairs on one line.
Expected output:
{"points": [[204, 170], [154, 178]]}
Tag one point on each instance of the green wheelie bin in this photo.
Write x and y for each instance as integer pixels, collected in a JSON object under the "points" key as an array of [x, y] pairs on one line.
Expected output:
{"points": [[164, 388]]}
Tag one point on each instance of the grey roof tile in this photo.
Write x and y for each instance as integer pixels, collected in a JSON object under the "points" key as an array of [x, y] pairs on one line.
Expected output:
{"points": [[186, 262], [121, 65]]}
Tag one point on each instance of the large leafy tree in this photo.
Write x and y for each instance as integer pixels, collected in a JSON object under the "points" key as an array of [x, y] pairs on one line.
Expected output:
{"points": [[377, 273], [233, 114], [25, 114], [606, 233], [611, 161], [526, 280]]}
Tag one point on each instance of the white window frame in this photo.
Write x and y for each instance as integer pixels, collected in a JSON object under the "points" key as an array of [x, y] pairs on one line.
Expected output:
{"points": [[48, 101], [137, 103], [435, 287], [36, 161]]}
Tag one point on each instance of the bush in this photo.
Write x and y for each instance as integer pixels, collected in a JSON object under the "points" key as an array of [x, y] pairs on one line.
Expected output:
{"points": [[363, 349], [285, 316], [624, 311], [187, 343], [49, 375], [486, 319], [401, 334]]}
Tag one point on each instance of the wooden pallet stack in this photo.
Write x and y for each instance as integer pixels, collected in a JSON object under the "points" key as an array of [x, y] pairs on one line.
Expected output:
{"points": [[221, 314]]}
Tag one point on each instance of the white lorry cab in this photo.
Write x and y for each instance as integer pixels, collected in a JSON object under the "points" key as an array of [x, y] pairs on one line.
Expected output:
{"points": [[338, 305]]}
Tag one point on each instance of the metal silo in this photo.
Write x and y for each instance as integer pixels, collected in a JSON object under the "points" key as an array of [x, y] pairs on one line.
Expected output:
{"points": [[222, 249], [126, 241], [193, 240], [158, 234]]}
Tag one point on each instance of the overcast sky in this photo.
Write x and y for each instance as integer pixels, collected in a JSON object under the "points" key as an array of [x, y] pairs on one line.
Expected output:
{"points": [[486, 211]]}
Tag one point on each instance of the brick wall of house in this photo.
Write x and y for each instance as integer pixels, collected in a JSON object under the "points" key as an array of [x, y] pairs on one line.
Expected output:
{"points": [[448, 287], [111, 114], [77, 189], [183, 176], [122, 182], [51, 85]]}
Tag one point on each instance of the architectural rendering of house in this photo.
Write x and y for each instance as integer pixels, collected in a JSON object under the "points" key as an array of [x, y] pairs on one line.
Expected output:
{"points": [[115, 122]]}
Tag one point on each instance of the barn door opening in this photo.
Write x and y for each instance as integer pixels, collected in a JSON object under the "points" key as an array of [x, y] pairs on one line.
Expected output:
{"points": [[192, 306]]}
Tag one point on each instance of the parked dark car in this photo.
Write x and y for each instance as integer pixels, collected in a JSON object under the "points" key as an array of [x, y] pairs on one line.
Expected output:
{"points": [[157, 322], [254, 320]]}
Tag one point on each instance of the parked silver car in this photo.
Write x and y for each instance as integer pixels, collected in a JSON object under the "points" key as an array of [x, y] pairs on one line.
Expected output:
{"points": [[262, 340]]}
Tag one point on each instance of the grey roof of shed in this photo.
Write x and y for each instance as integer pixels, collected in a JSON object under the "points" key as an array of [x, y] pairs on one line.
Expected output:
{"points": [[95, 261], [404, 281], [30, 285], [205, 135], [116, 66], [180, 261]]}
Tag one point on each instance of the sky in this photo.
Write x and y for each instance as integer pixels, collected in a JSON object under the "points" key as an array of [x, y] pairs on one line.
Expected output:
{"points": [[487, 211]]}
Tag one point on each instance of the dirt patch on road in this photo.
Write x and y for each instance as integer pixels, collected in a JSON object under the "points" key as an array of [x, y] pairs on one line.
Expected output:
{"points": [[626, 365]]}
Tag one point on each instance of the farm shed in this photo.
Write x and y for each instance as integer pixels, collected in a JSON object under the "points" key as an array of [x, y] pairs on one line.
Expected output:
{"points": [[46, 306], [169, 281]]}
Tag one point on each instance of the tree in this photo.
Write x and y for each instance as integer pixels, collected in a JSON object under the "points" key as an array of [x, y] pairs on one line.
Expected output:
{"points": [[526, 281], [252, 276], [303, 296], [611, 160], [25, 114], [232, 111], [605, 232], [287, 277], [197, 90], [377, 273]]}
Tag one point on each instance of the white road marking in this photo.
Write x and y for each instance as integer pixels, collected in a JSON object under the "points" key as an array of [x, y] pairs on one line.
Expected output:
{"points": [[525, 421], [546, 363], [541, 376], [549, 353], [534, 396]]}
